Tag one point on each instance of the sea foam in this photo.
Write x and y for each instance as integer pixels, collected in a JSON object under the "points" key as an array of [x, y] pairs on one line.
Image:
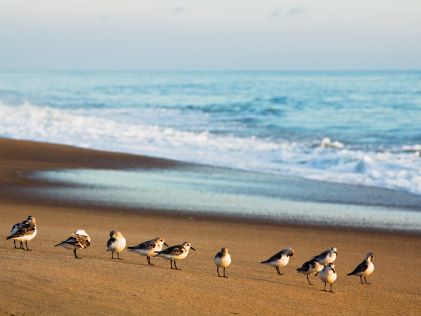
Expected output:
{"points": [[118, 130]]}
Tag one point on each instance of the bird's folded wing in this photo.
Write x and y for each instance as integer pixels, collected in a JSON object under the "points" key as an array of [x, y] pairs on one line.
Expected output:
{"points": [[174, 250]]}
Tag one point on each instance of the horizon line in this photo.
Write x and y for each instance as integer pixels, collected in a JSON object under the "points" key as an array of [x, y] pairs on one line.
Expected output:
{"points": [[213, 70]]}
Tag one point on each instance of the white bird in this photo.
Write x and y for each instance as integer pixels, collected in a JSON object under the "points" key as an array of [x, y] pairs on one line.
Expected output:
{"points": [[178, 252], [78, 240], [24, 232], [222, 260], [116, 243], [280, 259], [328, 275], [309, 268], [365, 268], [326, 257], [149, 248]]}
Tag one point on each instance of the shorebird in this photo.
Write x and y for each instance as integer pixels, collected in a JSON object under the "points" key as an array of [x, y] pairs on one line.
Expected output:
{"points": [[310, 267], [328, 275], [116, 243], [222, 260], [24, 232], [365, 268], [149, 248], [326, 257], [79, 240], [280, 259], [174, 253]]}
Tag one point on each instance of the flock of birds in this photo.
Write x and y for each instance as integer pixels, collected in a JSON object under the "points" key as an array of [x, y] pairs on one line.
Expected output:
{"points": [[320, 265]]}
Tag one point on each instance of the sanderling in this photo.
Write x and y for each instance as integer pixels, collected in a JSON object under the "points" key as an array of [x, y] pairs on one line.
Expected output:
{"points": [[280, 259], [149, 248], [24, 231], [174, 253], [222, 260], [310, 267], [79, 239], [365, 268], [116, 243], [326, 257], [328, 275]]}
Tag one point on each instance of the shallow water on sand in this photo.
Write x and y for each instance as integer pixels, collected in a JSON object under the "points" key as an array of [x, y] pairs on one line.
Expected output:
{"points": [[221, 191]]}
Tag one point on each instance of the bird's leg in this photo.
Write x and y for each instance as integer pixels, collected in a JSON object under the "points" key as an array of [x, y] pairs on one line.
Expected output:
{"points": [[308, 280], [118, 256], [14, 242], [171, 264], [279, 272], [175, 264], [325, 287], [361, 279], [112, 254], [21, 246], [74, 252], [366, 282], [331, 288], [26, 243], [148, 259], [224, 274]]}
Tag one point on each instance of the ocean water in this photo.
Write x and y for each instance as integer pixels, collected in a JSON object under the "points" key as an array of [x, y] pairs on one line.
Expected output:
{"points": [[359, 128], [235, 193]]}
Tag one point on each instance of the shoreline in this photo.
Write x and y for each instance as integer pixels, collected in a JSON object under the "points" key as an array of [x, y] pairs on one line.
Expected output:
{"points": [[62, 157], [47, 279], [208, 217]]}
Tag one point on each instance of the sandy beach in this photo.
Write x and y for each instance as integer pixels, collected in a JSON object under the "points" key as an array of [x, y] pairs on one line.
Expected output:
{"points": [[50, 281]]}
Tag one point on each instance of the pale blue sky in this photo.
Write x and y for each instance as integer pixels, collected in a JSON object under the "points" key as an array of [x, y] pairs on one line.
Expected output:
{"points": [[210, 34]]}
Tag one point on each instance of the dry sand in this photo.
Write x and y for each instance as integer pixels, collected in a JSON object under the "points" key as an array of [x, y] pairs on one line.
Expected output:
{"points": [[49, 281]]}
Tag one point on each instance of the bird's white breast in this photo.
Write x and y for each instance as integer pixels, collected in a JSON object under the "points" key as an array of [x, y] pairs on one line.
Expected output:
{"points": [[281, 262], [369, 269], [330, 258], [327, 275], [118, 245], [182, 256], [224, 261]]}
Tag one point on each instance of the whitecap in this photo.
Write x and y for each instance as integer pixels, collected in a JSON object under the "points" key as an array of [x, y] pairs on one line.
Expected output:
{"points": [[327, 143]]}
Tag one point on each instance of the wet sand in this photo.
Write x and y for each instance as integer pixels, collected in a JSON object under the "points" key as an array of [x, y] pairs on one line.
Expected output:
{"points": [[50, 281]]}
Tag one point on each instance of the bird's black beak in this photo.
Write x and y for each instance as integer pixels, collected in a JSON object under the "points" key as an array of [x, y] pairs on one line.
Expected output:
{"points": [[192, 248], [165, 244]]}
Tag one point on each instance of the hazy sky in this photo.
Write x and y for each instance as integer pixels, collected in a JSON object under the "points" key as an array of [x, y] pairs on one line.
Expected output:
{"points": [[210, 34]]}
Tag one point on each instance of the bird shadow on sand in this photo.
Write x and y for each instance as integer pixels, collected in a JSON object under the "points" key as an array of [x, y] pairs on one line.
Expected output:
{"points": [[274, 281]]}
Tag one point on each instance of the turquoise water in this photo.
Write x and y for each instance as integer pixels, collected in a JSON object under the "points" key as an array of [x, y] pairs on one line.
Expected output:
{"points": [[359, 128], [228, 192]]}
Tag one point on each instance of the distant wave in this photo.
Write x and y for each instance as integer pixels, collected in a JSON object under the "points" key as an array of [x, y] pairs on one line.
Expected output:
{"points": [[327, 143], [116, 130]]}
